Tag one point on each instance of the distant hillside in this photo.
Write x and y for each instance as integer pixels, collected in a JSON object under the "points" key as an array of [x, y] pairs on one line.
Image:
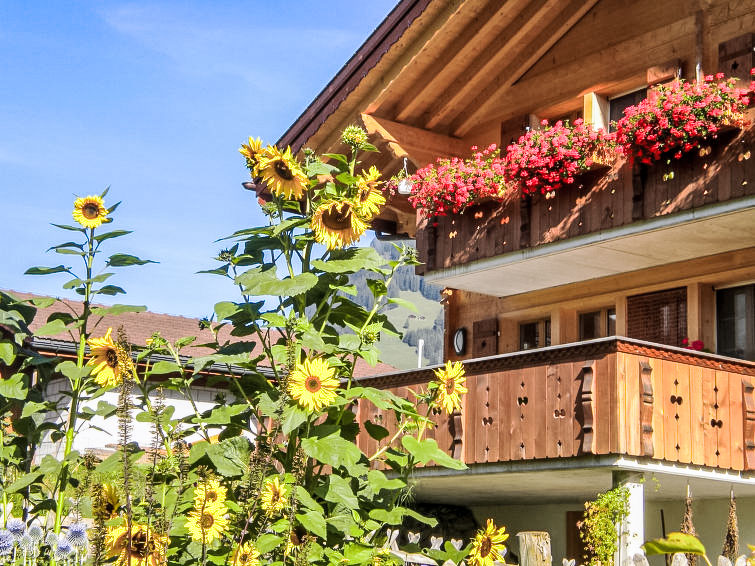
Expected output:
{"points": [[426, 324]]}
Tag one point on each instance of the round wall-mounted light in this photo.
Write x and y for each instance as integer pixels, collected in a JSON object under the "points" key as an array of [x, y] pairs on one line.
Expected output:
{"points": [[460, 341]]}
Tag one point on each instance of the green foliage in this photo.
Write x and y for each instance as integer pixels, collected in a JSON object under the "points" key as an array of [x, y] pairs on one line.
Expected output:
{"points": [[599, 529]]}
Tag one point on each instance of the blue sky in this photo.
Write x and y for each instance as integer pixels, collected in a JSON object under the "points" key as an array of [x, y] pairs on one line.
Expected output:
{"points": [[153, 99]]}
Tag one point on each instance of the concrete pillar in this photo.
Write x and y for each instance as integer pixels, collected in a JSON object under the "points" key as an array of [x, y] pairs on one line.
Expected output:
{"points": [[632, 530]]}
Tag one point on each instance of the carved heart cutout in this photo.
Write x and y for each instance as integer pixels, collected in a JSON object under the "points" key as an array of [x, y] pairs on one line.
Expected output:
{"points": [[522, 401]]}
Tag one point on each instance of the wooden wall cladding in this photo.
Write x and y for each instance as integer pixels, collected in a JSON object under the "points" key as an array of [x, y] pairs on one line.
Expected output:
{"points": [[722, 169], [640, 401], [485, 337]]}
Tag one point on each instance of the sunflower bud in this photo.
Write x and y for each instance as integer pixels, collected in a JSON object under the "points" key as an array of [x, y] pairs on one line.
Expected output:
{"points": [[354, 136]]}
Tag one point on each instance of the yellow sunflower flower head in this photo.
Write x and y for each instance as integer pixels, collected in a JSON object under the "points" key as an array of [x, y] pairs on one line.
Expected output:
{"points": [[209, 492], [313, 384], [487, 546], [282, 173], [246, 555], [450, 386], [147, 548], [110, 500], [369, 198], [337, 224], [206, 522], [251, 153], [90, 211], [109, 360], [274, 497]]}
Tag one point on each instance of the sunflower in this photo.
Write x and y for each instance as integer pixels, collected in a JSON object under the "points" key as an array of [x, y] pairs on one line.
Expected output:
{"points": [[369, 198], [246, 555], [450, 386], [90, 211], [282, 173], [207, 522], [251, 153], [110, 361], [209, 492], [313, 385], [274, 496], [337, 224], [110, 500], [487, 546], [146, 549]]}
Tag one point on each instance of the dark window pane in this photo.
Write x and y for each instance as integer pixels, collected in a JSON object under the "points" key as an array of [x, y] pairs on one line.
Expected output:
{"points": [[547, 332], [658, 317], [620, 103], [611, 322], [735, 322], [589, 325], [528, 336]]}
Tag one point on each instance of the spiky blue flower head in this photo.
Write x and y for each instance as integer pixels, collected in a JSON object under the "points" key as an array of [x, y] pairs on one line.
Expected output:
{"points": [[77, 535], [16, 527], [36, 533], [6, 542], [26, 543], [51, 539], [62, 550]]}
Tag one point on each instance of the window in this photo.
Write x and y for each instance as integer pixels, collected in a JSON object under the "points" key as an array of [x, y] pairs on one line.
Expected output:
{"points": [[536, 334], [658, 317], [618, 104], [735, 322], [597, 324]]}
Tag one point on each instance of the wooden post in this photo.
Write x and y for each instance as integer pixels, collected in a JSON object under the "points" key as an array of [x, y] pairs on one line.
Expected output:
{"points": [[534, 548]]}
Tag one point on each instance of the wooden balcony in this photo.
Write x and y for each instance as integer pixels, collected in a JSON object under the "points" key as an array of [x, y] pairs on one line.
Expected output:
{"points": [[626, 219], [606, 396]]}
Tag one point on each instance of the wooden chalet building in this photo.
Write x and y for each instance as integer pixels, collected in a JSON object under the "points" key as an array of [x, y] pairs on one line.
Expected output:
{"points": [[570, 312]]}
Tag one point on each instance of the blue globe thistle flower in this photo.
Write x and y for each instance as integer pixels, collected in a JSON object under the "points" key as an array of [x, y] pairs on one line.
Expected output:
{"points": [[77, 535], [51, 539], [6, 542], [62, 550], [26, 543], [16, 527], [36, 533]]}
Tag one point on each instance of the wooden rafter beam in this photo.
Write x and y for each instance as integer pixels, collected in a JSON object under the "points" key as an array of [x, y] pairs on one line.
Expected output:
{"points": [[420, 146], [547, 37], [517, 32]]}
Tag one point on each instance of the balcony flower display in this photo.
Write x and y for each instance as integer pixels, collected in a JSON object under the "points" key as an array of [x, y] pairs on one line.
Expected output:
{"points": [[544, 160], [674, 118], [451, 184]]}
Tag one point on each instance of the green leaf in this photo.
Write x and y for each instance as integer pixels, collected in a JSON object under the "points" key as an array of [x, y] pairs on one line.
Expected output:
{"points": [[673, 543], [14, 387], [332, 450], [339, 491], [350, 261], [267, 542], [221, 415], [7, 352], [376, 431], [230, 456], [45, 270], [225, 309], [265, 282], [292, 418], [377, 481], [124, 260], [117, 309], [51, 328], [289, 223], [163, 367], [307, 500], [71, 228], [72, 371], [403, 303], [43, 302], [111, 290], [32, 407], [24, 481], [112, 234], [426, 450], [395, 516], [114, 462], [314, 522]]}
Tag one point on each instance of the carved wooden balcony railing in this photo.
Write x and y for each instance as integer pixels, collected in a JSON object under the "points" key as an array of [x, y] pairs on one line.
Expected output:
{"points": [[597, 202], [606, 396]]}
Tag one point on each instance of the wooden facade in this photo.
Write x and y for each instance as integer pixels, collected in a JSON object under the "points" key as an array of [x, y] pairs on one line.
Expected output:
{"points": [[610, 396]]}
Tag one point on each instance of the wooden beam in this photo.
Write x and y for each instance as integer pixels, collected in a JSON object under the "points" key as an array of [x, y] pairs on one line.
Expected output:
{"points": [[537, 45], [514, 37], [421, 146], [614, 63], [469, 49]]}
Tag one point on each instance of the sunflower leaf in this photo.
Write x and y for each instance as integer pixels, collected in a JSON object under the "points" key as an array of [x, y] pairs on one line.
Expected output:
{"points": [[673, 543], [314, 522], [46, 270], [426, 450], [110, 290], [292, 418], [112, 234], [117, 309], [71, 228], [123, 260], [51, 328]]}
